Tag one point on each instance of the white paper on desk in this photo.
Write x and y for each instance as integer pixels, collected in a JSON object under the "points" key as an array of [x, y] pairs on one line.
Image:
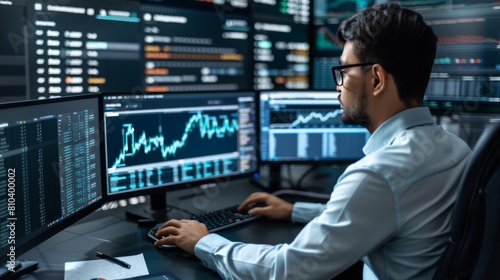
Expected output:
{"points": [[86, 270]]}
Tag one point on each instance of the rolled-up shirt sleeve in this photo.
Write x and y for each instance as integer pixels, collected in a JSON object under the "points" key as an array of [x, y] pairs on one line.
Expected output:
{"points": [[356, 220]]}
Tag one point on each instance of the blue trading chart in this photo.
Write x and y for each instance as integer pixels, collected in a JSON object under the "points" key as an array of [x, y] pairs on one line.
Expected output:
{"points": [[151, 138]]}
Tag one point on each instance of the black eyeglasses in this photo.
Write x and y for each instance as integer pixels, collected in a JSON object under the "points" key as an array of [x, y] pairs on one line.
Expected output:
{"points": [[338, 74]]}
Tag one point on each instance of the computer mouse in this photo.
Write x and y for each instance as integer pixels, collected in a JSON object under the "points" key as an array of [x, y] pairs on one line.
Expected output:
{"points": [[152, 233], [247, 208]]}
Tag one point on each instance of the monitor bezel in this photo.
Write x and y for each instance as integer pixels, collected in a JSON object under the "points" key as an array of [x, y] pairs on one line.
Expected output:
{"points": [[165, 188], [48, 232], [318, 162]]}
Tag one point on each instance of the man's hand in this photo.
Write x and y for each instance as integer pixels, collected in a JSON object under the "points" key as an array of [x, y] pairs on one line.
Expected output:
{"points": [[275, 208], [183, 233]]}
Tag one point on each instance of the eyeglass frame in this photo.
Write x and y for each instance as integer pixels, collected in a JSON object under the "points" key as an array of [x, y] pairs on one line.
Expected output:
{"points": [[340, 67]]}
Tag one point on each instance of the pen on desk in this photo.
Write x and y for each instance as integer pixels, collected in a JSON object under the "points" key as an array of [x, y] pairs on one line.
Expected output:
{"points": [[112, 259]]}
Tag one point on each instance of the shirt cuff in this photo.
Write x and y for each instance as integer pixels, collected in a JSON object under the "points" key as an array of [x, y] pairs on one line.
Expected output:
{"points": [[304, 212], [206, 247]]}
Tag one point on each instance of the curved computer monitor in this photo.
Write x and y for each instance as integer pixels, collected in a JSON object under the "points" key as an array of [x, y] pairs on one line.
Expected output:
{"points": [[304, 127], [51, 158], [162, 142]]}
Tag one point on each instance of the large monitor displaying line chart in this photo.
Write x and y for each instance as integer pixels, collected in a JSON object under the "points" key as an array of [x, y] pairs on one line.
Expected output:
{"points": [[161, 142], [305, 127]]}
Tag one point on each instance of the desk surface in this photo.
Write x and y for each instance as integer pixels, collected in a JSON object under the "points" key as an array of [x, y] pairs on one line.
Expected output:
{"points": [[110, 232]]}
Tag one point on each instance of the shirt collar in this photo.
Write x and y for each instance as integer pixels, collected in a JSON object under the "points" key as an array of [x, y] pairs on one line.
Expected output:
{"points": [[385, 134]]}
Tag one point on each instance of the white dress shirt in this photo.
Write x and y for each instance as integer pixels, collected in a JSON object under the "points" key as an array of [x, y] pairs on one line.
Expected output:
{"points": [[391, 209]]}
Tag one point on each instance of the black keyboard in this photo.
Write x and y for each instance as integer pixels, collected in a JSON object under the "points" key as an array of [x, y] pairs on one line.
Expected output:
{"points": [[216, 220], [224, 218]]}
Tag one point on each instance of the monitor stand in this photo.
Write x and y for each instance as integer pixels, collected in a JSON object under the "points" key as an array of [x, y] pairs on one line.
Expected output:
{"points": [[158, 212], [17, 270], [272, 182]]}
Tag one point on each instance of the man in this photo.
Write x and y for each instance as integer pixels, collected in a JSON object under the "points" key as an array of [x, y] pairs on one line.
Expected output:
{"points": [[390, 209]]}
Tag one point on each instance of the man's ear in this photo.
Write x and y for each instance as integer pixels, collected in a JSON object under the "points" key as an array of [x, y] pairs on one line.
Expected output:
{"points": [[379, 79]]}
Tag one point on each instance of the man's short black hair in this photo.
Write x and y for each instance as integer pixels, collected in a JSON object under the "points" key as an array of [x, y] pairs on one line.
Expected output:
{"points": [[398, 39]]}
